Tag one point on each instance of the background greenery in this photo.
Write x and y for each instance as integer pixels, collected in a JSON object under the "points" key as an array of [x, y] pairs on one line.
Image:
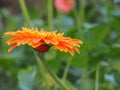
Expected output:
{"points": [[98, 65]]}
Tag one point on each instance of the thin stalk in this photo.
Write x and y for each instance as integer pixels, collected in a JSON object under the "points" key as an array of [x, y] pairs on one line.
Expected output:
{"points": [[59, 16], [108, 15], [77, 21], [81, 12], [66, 70], [42, 69], [44, 7], [107, 4], [97, 79], [50, 14], [25, 12], [2, 46], [52, 74]]}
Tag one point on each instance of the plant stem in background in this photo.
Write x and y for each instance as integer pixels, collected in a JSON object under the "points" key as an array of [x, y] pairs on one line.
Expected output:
{"points": [[97, 78], [108, 14], [1, 39], [66, 70], [43, 7], [50, 14], [81, 12], [25, 12], [79, 15], [77, 21], [42, 70], [55, 78], [59, 16]]}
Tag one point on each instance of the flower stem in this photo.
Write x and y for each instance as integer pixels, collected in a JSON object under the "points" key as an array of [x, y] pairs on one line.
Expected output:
{"points": [[52, 74], [25, 12], [66, 70], [27, 19], [42, 69], [97, 79], [50, 14]]}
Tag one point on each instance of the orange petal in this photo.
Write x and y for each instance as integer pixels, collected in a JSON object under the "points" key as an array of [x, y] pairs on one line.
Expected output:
{"points": [[13, 40], [71, 52], [12, 47], [35, 38], [77, 50]]}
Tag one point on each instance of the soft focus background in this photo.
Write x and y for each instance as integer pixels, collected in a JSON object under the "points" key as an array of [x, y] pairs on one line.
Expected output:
{"points": [[98, 65]]}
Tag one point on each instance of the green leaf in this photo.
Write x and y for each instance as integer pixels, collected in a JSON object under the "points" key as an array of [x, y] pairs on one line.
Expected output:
{"points": [[115, 64], [80, 60], [92, 36], [26, 78], [100, 49], [85, 83], [99, 33]]}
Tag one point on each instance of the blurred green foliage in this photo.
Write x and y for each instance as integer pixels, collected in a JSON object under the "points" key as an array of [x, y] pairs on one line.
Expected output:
{"points": [[101, 36]]}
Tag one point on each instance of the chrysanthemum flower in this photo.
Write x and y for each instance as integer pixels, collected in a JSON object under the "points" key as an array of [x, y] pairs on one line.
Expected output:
{"points": [[64, 5], [42, 40]]}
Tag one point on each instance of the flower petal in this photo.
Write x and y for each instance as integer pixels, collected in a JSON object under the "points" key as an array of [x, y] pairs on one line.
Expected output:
{"points": [[37, 38], [12, 47]]}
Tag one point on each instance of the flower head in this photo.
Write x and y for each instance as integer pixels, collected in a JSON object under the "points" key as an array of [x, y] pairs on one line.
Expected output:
{"points": [[42, 40], [64, 5]]}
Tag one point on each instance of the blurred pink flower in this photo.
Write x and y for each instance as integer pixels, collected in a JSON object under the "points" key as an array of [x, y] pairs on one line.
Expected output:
{"points": [[64, 5]]}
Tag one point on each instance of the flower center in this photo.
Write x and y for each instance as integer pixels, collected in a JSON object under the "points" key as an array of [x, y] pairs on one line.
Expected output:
{"points": [[43, 47]]}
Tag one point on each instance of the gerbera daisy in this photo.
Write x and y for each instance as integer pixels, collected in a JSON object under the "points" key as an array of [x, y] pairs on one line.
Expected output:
{"points": [[64, 5], [42, 40]]}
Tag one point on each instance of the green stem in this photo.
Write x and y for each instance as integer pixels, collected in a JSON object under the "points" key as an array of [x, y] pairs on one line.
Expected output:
{"points": [[97, 79], [42, 69], [77, 21], [66, 70], [107, 4], [79, 15], [52, 74], [108, 15], [27, 19], [59, 16], [44, 8], [50, 14], [81, 12], [25, 12], [1, 39]]}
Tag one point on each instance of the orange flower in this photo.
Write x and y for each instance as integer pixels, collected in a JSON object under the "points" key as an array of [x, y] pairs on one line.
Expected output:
{"points": [[42, 40], [64, 5]]}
